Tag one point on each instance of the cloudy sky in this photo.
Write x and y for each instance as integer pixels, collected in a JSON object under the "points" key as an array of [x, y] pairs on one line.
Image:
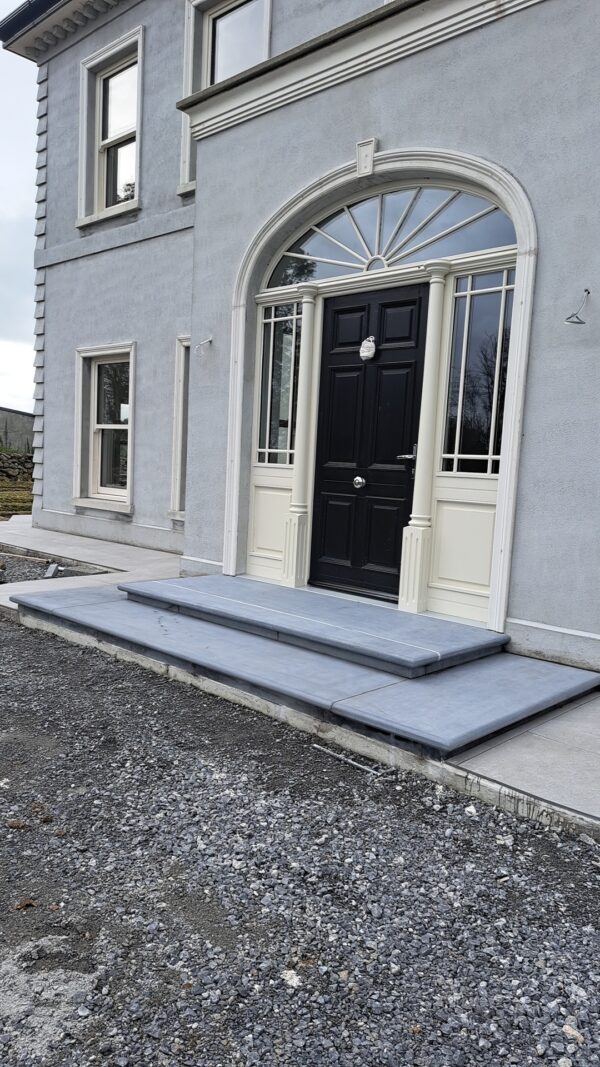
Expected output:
{"points": [[17, 194]]}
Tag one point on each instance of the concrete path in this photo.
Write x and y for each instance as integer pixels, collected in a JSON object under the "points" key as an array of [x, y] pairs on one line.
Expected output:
{"points": [[121, 561], [554, 757]]}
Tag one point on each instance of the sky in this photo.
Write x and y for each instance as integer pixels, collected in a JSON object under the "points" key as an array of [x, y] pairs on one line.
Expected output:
{"points": [[17, 209]]}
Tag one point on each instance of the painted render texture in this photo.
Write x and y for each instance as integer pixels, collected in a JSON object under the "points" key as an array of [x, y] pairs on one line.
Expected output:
{"points": [[505, 92]]}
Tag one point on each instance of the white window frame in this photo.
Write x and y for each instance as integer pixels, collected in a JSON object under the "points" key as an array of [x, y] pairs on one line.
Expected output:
{"points": [[183, 350], [87, 491], [195, 9], [92, 152], [506, 267]]}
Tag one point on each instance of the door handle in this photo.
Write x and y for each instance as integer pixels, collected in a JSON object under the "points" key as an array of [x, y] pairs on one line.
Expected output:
{"points": [[359, 483], [413, 455]]}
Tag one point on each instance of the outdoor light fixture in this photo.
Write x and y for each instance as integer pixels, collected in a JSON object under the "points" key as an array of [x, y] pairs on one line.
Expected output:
{"points": [[575, 319], [208, 341]]}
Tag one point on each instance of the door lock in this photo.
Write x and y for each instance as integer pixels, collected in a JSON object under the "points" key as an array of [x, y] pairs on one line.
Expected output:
{"points": [[359, 483], [412, 456]]}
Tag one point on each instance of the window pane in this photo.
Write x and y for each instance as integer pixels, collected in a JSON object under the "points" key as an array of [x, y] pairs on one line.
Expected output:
{"points": [[472, 466], [295, 385], [120, 173], [393, 208], [113, 393], [502, 372], [454, 379], [113, 459], [493, 231], [340, 227], [319, 246], [184, 427], [365, 216], [264, 387], [238, 40], [480, 370], [280, 385], [119, 103], [488, 281], [426, 202], [290, 271], [458, 210]]}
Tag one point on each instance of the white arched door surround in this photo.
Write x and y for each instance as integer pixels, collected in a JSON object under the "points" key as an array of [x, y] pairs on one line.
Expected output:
{"points": [[417, 166]]}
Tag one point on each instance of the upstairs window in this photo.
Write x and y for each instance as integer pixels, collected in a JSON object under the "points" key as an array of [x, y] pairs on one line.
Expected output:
{"points": [[221, 40], [238, 38], [118, 135], [110, 109]]}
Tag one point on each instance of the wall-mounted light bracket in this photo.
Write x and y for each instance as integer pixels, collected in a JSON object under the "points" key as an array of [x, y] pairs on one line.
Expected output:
{"points": [[575, 319]]}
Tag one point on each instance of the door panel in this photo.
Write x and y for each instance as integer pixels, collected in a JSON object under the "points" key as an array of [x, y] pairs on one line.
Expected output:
{"points": [[345, 407], [368, 416]]}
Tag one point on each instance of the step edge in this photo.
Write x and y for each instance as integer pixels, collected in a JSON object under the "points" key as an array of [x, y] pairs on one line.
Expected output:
{"points": [[422, 664]]}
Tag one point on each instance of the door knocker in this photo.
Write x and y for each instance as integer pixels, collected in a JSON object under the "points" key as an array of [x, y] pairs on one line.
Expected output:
{"points": [[367, 349]]}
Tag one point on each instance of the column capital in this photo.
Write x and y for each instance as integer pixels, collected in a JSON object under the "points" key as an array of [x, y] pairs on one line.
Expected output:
{"points": [[308, 291], [437, 271]]}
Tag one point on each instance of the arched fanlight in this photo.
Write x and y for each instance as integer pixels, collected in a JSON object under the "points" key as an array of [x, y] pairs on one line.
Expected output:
{"points": [[394, 229]]}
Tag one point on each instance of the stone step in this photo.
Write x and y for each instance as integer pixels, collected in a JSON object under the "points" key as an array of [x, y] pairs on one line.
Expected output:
{"points": [[440, 713], [371, 635]]}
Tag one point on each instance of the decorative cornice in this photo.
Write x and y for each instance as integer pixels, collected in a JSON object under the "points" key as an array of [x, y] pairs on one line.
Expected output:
{"points": [[321, 64], [37, 41]]}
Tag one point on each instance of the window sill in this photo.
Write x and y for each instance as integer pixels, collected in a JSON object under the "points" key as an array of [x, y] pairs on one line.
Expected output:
{"points": [[130, 207], [96, 503], [186, 188]]}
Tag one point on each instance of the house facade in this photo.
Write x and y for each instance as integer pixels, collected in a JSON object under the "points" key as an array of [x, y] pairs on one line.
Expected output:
{"points": [[303, 278]]}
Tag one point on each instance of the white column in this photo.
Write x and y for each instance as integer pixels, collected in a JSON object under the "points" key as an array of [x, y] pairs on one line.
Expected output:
{"points": [[416, 541], [295, 551]]}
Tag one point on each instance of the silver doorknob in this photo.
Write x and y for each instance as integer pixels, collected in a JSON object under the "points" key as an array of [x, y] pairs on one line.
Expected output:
{"points": [[359, 483]]}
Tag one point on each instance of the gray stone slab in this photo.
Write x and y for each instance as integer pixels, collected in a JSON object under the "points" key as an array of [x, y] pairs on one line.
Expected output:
{"points": [[377, 636], [545, 767], [450, 710], [443, 712], [294, 673]]}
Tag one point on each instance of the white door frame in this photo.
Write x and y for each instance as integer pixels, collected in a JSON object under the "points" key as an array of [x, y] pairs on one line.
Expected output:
{"points": [[416, 166]]}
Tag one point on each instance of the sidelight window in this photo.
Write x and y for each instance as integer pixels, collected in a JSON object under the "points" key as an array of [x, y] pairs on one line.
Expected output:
{"points": [[282, 327], [477, 376]]}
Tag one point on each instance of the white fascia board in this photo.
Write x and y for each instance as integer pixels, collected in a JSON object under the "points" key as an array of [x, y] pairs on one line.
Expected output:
{"points": [[375, 46]]}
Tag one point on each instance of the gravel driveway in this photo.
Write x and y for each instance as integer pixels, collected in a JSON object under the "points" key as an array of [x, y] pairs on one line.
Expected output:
{"points": [[186, 882]]}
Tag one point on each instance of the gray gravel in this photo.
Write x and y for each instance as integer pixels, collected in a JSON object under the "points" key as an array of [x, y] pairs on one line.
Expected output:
{"points": [[14, 568], [186, 882]]}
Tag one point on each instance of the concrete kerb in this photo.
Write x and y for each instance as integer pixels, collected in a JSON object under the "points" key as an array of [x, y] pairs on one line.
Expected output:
{"points": [[486, 790]]}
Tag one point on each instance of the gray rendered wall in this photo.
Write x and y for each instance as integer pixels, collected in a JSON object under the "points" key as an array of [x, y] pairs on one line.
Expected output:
{"points": [[520, 92], [118, 281]]}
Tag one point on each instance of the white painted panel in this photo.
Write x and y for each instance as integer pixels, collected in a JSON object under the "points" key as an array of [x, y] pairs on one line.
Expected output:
{"points": [[270, 508], [462, 546]]}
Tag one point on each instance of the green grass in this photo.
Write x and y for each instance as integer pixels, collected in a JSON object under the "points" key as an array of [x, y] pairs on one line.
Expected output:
{"points": [[15, 499], [9, 451]]}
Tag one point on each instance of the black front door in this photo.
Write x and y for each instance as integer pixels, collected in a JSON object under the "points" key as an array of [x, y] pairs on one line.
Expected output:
{"points": [[368, 417]]}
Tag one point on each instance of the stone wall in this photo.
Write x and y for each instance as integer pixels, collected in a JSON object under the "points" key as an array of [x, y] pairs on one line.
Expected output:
{"points": [[15, 467]]}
